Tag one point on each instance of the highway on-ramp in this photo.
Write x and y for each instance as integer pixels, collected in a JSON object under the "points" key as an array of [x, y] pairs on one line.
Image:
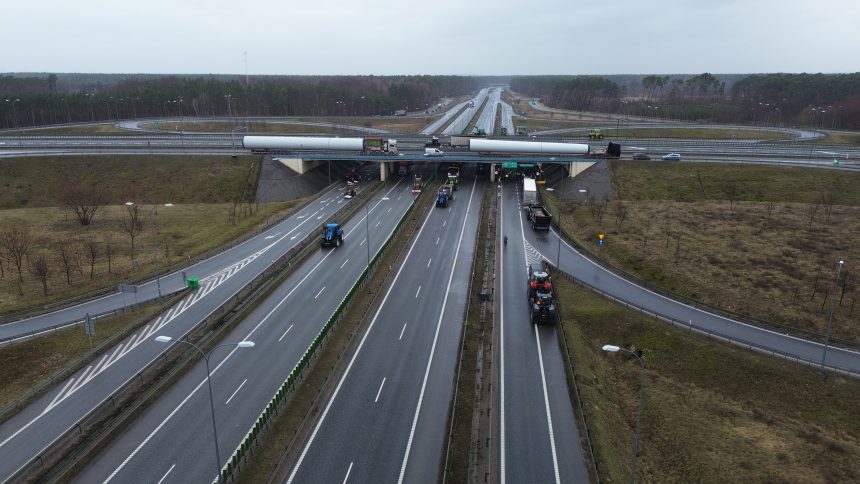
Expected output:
{"points": [[386, 421], [173, 438]]}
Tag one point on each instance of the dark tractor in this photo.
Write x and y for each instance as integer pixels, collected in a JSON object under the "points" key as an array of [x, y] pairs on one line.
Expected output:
{"points": [[332, 235]]}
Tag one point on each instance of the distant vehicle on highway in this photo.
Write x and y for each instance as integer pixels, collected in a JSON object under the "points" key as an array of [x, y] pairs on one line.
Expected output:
{"points": [[433, 152], [641, 156], [672, 157]]}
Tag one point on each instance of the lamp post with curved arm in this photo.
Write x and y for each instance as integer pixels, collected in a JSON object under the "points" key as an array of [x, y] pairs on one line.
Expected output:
{"points": [[240, 344], [615, 349]]}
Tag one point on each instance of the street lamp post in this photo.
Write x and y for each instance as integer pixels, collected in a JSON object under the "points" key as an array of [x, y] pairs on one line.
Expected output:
{"points": [[615, 349], [240, 344], [830, 317]]}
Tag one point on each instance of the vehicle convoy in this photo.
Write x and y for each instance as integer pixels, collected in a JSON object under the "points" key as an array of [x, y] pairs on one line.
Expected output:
{"points": [[278, 144], [444, 195], [433, 152], [530, 194], [332, 235], [541, 298], [539, 217], [595, 134]]}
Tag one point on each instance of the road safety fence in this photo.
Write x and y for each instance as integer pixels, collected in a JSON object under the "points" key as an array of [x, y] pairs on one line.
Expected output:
{"points": [[241, 452]]}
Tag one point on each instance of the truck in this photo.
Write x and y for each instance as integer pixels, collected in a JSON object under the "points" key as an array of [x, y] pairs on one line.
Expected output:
{"points": [[539, 217], [530, 194], [595, 134], [471, 103], [417, 185], [433, 142], [332, 235], [444, 195], [380, 146], [479, 132], [402, 168], [459, 142]]}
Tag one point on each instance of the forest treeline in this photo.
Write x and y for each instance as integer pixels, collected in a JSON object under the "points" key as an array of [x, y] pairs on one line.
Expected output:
{"points": [[818, 100], [35, 101]]}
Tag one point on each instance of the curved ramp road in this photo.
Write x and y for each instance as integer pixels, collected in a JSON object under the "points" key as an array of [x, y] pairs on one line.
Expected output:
{"points": [[173, 438], [545, 244], [386, 421], [538, 437], [27, 434]]}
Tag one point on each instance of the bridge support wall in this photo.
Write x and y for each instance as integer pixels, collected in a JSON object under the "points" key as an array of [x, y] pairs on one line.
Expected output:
{"points": [[578, 167], [299, 165]]}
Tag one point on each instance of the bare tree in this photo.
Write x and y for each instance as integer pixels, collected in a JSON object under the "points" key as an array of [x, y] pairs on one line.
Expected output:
{"points": [[811, 211], [770, 205], [67, 257], [92, 250], [132, 224], [620, 214], [732, 193], [15, 241], [84, 200], [41, 270]]}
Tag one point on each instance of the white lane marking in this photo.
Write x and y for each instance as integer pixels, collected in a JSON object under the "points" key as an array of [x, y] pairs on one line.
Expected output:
{"points": [[356, 353], [294, 237], [203, 382], [237, 391], [347, 473], [344, 263], [437, 240], [417, 292], [435, 339], [165, 474], [444, 222], [71, 380], [318, 294], [380, 390], [319, 217], [401, 332], [285, 333], [377, 223], [429, 261], [389, 209], [542, 374], [272, 236], [362, 242], [548, 413]]}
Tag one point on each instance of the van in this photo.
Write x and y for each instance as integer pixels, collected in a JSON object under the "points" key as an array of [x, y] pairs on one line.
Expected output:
{"points": [[433, 152]]}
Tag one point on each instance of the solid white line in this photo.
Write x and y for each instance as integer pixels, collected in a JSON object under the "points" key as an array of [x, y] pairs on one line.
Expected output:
{"points": [[437, 240], [344, 263], [401, 332], [417, 292], [318, 294], [380, 390], [377, 224], [165, 474], [435, 339], [347, 473], [444, 222], [356, 353], [502, 449], [548, 412], [429, 261], [543, 378], [237, 391], [362, 242], [285, 333]]}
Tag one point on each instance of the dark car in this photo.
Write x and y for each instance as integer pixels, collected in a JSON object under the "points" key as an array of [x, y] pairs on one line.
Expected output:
{"points": [[641, 156]]}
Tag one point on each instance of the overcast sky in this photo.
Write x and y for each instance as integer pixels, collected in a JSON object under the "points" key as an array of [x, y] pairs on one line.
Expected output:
{"points": [[433, 37]]}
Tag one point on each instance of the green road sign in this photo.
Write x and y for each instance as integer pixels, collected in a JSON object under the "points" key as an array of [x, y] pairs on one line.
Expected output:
{"points": [[509, 164]]}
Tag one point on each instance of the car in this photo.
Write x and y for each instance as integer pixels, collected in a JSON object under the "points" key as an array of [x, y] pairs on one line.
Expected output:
{"points": [[672, 157], [641, 156]]}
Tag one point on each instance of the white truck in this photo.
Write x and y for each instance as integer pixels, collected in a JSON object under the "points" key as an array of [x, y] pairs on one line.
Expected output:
{"points": [[530, 194]]}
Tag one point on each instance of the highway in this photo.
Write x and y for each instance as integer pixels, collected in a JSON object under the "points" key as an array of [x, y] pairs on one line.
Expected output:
{"points": [[538, 436], [386, 421], [462, 121], [508, 118], [36, 426], [435, 126], [487, 119], [176, 430]]}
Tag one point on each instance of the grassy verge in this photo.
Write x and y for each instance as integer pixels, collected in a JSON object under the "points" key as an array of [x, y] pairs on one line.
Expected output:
{"points": [[713, 412], [765, 255], [29, 363], [393, 124], [68, 130], [695, 133], [843, 138], [477, 335], [280, 444]]}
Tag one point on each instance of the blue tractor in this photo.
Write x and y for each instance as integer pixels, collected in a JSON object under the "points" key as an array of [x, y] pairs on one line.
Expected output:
{"points": [[332, 235]]}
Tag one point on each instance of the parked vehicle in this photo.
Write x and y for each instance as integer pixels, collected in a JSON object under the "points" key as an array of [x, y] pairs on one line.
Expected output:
{"points": [[672, 157], [641, 156], [332, 235], [433, 152]]}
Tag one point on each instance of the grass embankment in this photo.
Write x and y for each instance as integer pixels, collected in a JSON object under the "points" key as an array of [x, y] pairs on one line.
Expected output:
{"points": [[769, 254], [69, 130], [713, 412], [286, 433], [696, 133], [28, 363], [287, 126], [843, 138], [201, 188]]}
